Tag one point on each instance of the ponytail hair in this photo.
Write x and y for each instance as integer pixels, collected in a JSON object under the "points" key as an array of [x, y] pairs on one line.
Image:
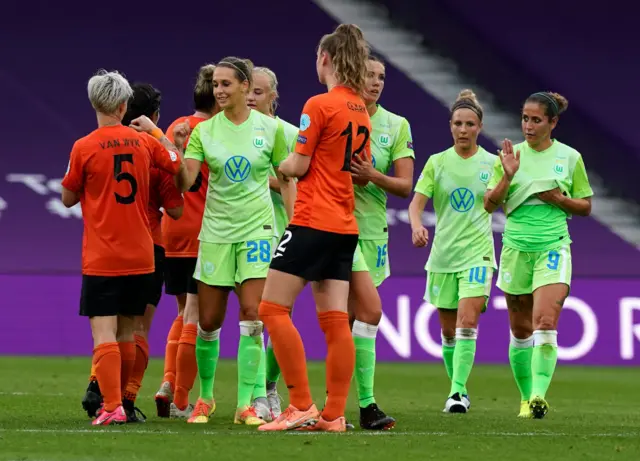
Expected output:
{"points": [[349, 54]]}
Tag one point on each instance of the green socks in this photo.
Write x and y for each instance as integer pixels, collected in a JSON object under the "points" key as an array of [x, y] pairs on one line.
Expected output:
{"points": [[463, 357], [260, 388], [249, 354], [207, 354], [364, 338], [273, 369], [520, 358], [448, 348], [543, 360]]}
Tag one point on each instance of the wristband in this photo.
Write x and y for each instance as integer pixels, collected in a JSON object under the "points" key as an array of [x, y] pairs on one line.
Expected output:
{"points": [[157, 133], [496, 204]]}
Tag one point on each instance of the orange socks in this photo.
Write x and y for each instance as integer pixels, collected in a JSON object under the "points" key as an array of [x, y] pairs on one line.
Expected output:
{"points": [[107, 366], [139, 367], [171, 351], [341, 359], [128, 357], [92, 376], [289, 351], [186, 366]]}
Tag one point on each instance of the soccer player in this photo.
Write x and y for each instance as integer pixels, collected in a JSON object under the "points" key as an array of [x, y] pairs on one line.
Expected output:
{"points": [[539, 187], [181, 243], [239, 145], [391, 144], [263, 97], [462, 259], [108, 174], [162, 194], [319, 243]]}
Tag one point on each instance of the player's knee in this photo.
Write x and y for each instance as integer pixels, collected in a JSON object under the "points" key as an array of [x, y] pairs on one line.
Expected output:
{"points": [[369, 316], [544, 321]]}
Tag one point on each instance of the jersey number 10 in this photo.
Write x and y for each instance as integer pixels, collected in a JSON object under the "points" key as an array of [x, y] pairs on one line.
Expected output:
{"points": [[348, 150]]}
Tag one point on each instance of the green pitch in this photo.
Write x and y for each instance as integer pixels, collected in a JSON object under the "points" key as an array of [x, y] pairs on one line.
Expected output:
{"points": [[595, 415]]}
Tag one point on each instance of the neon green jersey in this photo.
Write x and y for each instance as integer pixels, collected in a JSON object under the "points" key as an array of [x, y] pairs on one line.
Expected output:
{"points": [[534, 225], [390, 140], [282, 220], [240, 158], [463, 238]]}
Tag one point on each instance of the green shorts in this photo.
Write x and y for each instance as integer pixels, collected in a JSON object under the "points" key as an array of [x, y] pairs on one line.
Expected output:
{"points": [[522, 272], [225, 264], [371, 256], [445, 290]]}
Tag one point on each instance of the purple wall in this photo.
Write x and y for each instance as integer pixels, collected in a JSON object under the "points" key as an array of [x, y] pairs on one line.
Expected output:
{"points": [[600, 323]]}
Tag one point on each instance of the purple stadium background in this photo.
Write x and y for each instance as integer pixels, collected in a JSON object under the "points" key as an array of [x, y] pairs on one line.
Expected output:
{"points": [[44, 109]]}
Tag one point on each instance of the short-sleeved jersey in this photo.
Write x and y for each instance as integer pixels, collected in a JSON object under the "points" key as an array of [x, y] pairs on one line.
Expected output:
{"points": [[181, 236], [334, 126], [163, 193], [390, 140], [463, 238], [110, 170], [240, 157], [536, 225], [291, 135]]}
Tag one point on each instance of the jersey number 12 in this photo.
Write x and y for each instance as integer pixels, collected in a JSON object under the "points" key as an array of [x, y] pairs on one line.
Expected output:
{"points": [[348, 150]]}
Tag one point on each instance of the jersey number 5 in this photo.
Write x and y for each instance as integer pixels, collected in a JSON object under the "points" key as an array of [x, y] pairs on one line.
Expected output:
{"points": [[348, 152], [120, 176]]}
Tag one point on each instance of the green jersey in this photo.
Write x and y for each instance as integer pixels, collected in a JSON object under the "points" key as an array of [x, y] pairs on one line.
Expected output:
{"points": [[238, 206], [390, 140], [463, 238], [535, 225], [291, 135]]}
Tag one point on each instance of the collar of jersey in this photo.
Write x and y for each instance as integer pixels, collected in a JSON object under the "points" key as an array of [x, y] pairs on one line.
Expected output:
{"points": [[232, 125]]}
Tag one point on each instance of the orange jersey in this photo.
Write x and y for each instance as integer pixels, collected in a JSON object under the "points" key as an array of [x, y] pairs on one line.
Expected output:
{"points": [[181, 236], [334, 126], [110, 170], [163, 193]]}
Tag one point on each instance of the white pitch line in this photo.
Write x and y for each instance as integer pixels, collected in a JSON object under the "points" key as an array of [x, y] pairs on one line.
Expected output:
{"points": [[351, 433], [39, 394]]}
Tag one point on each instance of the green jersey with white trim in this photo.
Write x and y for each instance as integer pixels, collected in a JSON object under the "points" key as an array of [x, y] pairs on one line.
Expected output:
{"points": [[535, 225], [240, 157], [463, 238], [390, 140]]}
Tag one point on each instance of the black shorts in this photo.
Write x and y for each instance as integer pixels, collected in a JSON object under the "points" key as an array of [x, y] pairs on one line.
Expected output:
{"points": [[120, 295], [178, 276], [315, 255], [158, 276]]}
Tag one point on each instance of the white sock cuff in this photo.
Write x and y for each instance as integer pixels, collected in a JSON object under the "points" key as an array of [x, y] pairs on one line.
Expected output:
{"points": [[521, 343], [208, 335], [364, 330], [466, 333], [251, 327], [448, 341], [542, 337]]}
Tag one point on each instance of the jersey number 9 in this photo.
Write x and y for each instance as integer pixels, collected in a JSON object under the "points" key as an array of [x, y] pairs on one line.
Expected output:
{"points": [[120, 176], [348, 152]]}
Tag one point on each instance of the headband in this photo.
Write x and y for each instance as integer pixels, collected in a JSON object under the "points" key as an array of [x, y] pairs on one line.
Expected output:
{"points": [[465, 104], [240, 70], [555, 109]]}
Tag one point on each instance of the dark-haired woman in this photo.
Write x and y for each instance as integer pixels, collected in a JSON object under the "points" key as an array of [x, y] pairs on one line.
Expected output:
{"points": [[539, 183]]}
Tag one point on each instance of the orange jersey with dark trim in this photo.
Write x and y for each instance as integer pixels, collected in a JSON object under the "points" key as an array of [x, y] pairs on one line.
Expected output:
{"points": [[110, 169], [163, 193], [334, 126], [181, 236]]}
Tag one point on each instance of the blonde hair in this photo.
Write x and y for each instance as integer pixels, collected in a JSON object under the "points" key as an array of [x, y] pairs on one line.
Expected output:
{"points": [[108, 90], [203, 98], [349, 54], [273, 85], [467, 100]]}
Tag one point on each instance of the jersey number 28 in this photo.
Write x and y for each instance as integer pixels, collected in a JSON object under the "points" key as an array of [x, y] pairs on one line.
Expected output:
{"points": [[348, 150]]}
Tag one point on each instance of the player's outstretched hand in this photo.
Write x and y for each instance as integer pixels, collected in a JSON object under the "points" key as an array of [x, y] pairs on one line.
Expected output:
{"points": [[420, 237], [143, 123], [510, 161]]}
